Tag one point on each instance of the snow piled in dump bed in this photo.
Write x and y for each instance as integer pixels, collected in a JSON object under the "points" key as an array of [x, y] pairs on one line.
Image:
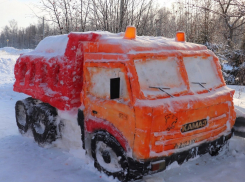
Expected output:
{"points": [[54, 45]]}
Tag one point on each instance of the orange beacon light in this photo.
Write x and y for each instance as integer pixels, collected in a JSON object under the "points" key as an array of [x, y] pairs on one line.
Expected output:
{"points": [[130, 33], [180, 36]]}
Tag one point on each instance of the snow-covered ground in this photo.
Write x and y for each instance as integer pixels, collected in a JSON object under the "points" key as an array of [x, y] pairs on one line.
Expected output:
{"points": [[22, 160], [239, 99]]}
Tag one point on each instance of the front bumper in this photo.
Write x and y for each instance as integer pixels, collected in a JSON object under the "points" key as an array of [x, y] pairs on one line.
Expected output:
{"points": [[139, 169]]}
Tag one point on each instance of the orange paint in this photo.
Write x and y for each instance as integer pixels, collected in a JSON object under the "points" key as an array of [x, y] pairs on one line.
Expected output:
{"points": [[147, 121]]}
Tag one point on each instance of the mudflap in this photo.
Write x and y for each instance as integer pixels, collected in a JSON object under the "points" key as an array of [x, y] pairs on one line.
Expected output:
{"points": [[239, 127]]}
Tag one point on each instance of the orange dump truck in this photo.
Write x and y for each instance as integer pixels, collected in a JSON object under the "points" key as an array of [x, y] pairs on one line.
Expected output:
{"points": [[142, 103]]}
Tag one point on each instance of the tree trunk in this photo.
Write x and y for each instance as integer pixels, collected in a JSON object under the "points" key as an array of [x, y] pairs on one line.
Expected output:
{"points": [[121, 15]]}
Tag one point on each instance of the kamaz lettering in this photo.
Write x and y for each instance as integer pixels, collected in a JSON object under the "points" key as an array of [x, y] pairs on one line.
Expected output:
{"points": [[193, 126]]}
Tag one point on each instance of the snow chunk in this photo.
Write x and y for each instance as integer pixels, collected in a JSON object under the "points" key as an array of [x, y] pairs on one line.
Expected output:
{"points": [[55, 45], [173, 165]]}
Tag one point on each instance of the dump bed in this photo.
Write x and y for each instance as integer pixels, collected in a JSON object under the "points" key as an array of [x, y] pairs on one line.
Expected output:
{"points": [[53, 72]]}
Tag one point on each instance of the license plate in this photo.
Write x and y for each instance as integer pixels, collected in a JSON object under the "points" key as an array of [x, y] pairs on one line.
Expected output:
{"points": [[185, 143], [194, 126]]}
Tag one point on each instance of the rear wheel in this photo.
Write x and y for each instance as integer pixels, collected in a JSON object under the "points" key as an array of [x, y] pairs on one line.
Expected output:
{"points": [[23, 113], [44, 126], [22, 118], [109, 156]]}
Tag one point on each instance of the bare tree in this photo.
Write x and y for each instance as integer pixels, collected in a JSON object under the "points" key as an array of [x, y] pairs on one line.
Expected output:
{"points": [[232, 14]]}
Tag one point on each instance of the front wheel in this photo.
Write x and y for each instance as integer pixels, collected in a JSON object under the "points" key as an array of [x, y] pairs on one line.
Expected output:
{"points": [[109, 156]]}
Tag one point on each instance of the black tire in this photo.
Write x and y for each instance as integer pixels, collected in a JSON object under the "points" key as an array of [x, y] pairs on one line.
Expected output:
{"points": [[23, 112], [22, 117], [111, 153], [44, 126], [240, 122], [214, 152], [238, 126]]}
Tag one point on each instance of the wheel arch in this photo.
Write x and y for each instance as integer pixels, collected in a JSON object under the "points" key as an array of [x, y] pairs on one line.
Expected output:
{"points": [[97, 125]]}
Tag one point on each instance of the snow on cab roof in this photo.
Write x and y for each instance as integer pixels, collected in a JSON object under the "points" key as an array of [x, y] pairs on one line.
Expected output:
{"points": [[118, 44], [56, 45]]}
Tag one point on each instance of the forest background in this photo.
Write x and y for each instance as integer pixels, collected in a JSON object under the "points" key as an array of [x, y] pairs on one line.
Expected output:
{"points": [[217, 24]]}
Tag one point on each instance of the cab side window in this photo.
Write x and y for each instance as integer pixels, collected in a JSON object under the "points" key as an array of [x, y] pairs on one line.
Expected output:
{"points": [[107, 83]]}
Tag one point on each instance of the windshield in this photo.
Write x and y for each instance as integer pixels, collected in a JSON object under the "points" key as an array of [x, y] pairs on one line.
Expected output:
{"points": [[160, 77], [202, 73]]}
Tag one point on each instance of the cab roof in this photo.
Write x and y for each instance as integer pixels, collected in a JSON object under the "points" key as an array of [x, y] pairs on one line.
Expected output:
{"points": [[116, 43], [105, 42]]}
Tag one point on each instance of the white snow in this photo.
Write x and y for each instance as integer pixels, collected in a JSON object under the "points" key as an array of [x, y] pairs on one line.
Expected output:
{"points": [[201, 70], [21, 159], [239, 100], [8, 58], [13, 51], [159, 73], [100, 82], [51, 46], [147, 41], [227, 67]]}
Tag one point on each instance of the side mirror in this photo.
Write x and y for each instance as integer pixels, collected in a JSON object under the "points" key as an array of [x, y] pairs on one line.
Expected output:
{"points": [[115, 88]]}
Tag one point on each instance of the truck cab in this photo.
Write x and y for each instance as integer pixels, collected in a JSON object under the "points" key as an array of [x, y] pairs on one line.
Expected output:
{"points": [[143, 102]]}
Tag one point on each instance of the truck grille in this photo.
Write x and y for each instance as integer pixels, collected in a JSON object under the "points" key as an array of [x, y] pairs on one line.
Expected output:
{"points": [[175, 139]]}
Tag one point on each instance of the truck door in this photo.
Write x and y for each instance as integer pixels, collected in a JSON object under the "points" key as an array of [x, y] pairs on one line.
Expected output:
{"points": [[107, 98]]}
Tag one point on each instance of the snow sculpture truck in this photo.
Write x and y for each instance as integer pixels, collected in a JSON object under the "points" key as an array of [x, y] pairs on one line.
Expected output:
{"points": [[141, 102]]}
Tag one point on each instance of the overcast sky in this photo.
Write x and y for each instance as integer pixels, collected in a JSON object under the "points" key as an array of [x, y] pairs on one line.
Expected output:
{"points": [[20, 11]]}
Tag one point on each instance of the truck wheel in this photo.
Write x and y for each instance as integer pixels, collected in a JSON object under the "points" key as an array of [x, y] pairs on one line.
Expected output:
{"points": [[44, 123], [109, 156], [23, 110], [214, 152], [238, 127], [22, 118]]}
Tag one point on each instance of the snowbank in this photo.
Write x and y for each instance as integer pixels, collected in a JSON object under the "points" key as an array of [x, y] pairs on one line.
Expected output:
{"points": [[239, 100], [13, 51], [8, 57]]}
